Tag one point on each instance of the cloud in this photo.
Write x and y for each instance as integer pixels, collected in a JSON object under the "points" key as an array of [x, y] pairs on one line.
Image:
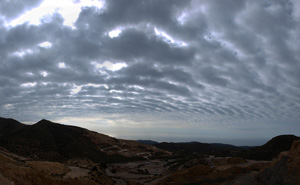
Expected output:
{"points": [[196, 64], [13, 8]]}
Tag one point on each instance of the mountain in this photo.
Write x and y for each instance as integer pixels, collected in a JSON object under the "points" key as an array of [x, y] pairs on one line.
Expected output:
{"points": [[187, 148], [56, 142], [270, 149], [8, 126]]}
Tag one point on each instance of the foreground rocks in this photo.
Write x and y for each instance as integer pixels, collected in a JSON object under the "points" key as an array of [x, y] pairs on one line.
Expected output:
{"points": [[217, 171], [16, 170], [285, 169]]}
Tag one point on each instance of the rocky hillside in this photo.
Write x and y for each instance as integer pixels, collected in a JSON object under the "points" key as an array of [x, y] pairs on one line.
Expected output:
{"points": [[285, 169], [17, 170], [46, 140]]}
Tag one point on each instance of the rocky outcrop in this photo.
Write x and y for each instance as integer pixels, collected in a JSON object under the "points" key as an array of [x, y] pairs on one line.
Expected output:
{"points": [[285, 169], [295, 149]]}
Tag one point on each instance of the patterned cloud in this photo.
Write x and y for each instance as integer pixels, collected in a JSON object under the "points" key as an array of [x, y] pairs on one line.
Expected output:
{"points": [[201, 70]]}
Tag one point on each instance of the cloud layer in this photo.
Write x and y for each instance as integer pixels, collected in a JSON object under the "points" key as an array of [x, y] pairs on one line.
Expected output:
{"points": [[231, 65]]}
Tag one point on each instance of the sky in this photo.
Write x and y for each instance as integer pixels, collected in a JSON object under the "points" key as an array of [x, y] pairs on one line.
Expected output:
{"points": [[167, 70]]}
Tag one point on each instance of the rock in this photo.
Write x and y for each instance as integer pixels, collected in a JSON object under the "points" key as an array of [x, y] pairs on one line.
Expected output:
{"points": [[285, 169], [295, 149]]}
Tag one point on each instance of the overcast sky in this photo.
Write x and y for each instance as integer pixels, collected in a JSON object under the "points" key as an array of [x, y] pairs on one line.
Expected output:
{"points": [[168, 70]]}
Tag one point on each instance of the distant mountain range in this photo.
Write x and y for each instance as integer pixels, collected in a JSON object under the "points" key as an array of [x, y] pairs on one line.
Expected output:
{"points": [[197, 147], [148, 142], [265, 152]]}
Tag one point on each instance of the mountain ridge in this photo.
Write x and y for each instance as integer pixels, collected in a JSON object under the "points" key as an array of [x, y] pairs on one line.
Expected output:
{"points": [[56, 142]]}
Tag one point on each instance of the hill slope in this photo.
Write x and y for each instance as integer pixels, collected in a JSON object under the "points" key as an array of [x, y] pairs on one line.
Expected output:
{"points": [[52, 141], [270, 149], [8, 126], [18, 170]]}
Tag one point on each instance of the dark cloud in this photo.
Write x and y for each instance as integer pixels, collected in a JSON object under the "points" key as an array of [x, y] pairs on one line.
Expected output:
{"points": [[134, 44], [128, 12], [202, 63]]}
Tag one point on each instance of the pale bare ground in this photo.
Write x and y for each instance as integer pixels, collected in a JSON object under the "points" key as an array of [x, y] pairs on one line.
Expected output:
{"points": [[76, 172]]}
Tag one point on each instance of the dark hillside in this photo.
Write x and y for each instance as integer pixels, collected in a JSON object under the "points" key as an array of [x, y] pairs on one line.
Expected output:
{"points": [[271, 149], [9, 126], [52, 141], [46, 140], [197, 147]]}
